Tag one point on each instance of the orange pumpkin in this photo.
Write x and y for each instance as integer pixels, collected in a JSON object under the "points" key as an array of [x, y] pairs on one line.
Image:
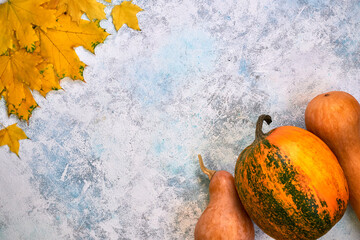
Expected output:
{"points": [[335, 118], [290, 183]]}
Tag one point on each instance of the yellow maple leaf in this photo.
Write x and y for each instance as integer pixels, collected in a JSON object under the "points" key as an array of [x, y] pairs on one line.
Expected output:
{"points": [[19, 17], [125, 13], [48, 78], [10, 136], [25, 108], [76, 8], [54, 58], [19, 74], [57, 44]]}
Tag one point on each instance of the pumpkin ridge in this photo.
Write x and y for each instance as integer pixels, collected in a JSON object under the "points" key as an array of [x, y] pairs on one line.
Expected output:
{"points": [[263, 195], [305, 203]]}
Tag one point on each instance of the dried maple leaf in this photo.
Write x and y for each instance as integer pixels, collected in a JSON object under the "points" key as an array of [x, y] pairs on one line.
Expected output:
{"points": [[76, 8], [19, 74], [57, 44], [125, 13], [20, 16], [10, 136]]}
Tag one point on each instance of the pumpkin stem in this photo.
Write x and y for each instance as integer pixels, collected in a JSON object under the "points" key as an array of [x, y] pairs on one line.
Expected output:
{"points": [[205, 170], [259, 124]]}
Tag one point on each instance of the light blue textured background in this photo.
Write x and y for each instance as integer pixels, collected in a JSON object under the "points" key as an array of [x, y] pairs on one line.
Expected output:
{"points": [[115, 157]]}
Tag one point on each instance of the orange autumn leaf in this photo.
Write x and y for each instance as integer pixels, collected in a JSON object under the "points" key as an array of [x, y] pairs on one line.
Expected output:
{"points": [[19, 17], [125, 13], [57, 44], [10, 136], [18, 75], [76, 8]]}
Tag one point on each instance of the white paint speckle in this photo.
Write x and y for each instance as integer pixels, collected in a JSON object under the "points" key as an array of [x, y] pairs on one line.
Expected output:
{"points": [[63, 175]]}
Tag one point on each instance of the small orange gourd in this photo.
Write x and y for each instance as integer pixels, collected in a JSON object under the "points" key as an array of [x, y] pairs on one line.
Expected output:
{"points": [[224, 218], [335, 118]]}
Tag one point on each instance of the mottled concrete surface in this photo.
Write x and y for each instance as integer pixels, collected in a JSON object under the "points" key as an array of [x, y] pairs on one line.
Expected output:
{"points": [[115, 157]]}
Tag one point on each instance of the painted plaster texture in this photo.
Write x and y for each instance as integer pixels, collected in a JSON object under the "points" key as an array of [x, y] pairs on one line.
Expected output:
{"points": [[116, 157]]}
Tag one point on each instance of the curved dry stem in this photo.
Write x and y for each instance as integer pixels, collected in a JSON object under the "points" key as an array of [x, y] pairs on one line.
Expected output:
{"points": [[205, 170], [259, 134]]}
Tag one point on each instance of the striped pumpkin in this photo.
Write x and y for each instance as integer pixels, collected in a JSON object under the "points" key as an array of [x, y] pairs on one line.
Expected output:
{"points": [[290, 183]]}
